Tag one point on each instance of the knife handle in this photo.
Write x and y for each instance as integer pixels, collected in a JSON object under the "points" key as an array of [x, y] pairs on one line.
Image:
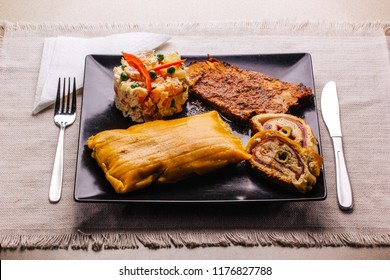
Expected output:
{"points": [[343, 185]]}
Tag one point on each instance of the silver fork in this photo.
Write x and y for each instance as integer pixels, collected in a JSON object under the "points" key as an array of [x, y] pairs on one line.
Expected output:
{"points": [[64, 116]]}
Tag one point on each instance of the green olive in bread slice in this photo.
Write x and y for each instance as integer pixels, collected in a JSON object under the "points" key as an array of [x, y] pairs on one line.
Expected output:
{"points": [[290, 126], [284, 161]]}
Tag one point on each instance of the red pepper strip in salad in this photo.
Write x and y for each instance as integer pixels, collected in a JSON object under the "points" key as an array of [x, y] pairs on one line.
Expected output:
{"points": [[166, 65], [137, 64]]}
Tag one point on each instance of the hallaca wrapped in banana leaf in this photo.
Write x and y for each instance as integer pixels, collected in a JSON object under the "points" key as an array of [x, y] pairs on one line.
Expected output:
{"points": [[165, 151]]}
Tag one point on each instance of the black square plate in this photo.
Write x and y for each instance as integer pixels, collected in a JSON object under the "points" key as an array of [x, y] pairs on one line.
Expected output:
{"points": [[232, 184]]}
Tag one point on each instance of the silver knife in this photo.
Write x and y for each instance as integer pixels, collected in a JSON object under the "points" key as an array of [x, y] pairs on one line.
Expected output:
{"points": [[331, 115]]}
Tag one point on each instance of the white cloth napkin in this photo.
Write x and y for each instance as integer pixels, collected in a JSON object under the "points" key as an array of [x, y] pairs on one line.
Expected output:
{"points": [[65, 57]]}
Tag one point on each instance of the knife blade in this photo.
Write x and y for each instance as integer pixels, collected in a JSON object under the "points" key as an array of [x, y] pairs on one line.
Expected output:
{"points": [[331, 114]]}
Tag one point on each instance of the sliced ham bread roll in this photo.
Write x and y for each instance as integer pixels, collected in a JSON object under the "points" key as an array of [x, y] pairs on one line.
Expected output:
{"points": [[290, 126], [284, 161]]}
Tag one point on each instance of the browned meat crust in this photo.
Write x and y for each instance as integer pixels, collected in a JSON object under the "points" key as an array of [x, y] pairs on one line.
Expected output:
{"points": [[240, 94]]}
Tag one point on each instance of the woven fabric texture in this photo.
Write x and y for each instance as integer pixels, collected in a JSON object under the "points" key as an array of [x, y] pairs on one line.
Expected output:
{"points": [[356, 56]]}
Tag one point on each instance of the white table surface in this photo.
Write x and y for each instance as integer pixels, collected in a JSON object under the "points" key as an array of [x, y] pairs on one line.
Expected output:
{"points": [[76, 11]]}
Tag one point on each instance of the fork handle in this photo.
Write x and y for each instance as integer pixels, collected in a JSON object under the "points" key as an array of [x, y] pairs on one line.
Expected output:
{"points": [[58, 169]]}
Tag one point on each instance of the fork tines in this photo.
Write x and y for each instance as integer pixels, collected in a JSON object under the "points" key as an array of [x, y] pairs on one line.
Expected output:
{"points": [[67, 103]]}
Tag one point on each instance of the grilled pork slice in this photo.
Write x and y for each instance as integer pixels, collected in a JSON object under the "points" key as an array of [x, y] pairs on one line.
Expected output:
{"points": [[290, 126], [284, 161], [240, 94], [165, 151]]}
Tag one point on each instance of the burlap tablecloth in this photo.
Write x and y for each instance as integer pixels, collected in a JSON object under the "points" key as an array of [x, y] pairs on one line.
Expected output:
{"points": [[354, 55]]}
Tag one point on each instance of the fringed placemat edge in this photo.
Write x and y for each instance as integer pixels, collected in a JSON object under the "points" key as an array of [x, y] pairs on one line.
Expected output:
{"points": [[235, 28], [108, 241]]}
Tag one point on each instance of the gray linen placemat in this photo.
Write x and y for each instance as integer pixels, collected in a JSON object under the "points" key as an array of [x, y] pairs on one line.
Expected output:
{"points": [[354, 55]]}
